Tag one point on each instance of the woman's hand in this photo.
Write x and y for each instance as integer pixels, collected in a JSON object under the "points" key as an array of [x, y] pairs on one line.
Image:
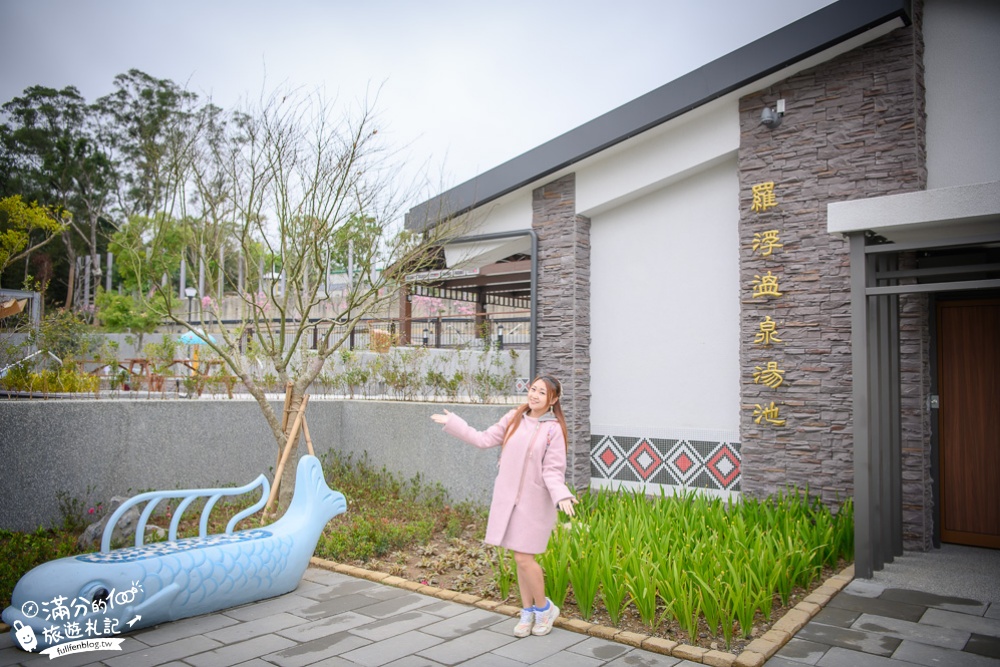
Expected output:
{"points": [[441, 419], [566, 506]]}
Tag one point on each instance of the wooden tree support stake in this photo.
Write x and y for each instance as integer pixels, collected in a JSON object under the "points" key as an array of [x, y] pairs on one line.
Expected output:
{"points": [[292, 441]]}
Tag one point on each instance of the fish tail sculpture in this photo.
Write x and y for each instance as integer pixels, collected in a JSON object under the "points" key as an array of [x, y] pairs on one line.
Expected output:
{"points": [[117, 591]]}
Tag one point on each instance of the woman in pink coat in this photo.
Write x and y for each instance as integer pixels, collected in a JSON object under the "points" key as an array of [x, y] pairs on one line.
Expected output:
{"points": [[529, 486]]}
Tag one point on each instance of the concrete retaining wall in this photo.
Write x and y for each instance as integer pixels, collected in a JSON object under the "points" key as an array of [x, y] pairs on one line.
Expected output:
{"points": [[92, 450]]}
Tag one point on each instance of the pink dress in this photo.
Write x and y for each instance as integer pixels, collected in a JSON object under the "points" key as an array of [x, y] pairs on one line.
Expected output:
{"points": [[530, 482]]}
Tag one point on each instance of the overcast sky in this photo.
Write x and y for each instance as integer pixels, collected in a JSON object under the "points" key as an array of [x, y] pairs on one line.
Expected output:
{"points": [[465, 85]]}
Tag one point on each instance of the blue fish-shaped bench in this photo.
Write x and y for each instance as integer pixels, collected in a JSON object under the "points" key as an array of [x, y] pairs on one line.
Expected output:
{"points": [[166, 581]]}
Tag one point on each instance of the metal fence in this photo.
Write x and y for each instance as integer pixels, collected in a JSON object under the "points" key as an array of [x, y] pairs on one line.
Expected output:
{"points": [[439, 332]]}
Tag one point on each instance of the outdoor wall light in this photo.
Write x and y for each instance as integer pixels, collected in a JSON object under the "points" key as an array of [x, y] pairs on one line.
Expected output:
{"points": [[771, 118]]}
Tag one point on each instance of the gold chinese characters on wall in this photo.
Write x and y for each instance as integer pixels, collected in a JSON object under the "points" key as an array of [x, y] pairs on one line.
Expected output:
{"points": [[766, 244]]}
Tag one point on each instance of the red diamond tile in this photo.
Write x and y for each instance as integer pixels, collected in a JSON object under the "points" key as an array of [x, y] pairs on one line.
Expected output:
{"points": [[645, 460]]}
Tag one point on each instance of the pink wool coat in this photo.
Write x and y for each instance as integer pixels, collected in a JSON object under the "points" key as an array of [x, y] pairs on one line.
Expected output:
{"points": [[530, 482]]}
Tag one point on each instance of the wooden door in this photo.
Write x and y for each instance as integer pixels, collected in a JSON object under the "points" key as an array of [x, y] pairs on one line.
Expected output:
{"points": [[969, 421]]}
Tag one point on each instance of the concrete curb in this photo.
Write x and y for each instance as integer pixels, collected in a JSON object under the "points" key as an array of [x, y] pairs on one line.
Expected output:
{"points": [[754, 655]]}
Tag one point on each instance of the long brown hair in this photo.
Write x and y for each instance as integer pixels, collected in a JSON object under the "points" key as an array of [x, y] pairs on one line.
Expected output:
{"points": [[552, 388]]}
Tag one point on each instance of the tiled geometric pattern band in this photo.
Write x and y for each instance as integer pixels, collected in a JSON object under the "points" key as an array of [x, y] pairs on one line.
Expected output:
{"points": [[697, 464]]}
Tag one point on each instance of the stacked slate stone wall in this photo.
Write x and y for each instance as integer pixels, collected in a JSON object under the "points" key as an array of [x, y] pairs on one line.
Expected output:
{"points": [[853, 128], [564, 311]]}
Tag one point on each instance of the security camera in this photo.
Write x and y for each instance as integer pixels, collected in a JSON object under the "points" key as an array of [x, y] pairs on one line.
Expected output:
{"points": [[770, 118]]}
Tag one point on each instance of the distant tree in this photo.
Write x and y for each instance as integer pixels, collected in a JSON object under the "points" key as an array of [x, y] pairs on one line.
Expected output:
{"points": [[149, 128], [124, 313], [25, 228], [52, 155]]}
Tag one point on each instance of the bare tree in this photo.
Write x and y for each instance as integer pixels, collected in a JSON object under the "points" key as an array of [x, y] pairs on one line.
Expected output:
{"points": [[306, 189]]}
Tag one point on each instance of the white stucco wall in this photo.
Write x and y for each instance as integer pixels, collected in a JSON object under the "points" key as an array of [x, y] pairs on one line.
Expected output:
{"points": [[665, 310], [962, 76]]}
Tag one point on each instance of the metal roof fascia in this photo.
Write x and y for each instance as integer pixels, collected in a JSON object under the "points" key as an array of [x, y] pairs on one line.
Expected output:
{"points": [[809, 35]]}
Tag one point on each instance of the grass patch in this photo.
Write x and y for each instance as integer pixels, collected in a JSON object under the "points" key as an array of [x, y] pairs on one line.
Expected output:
{"points": [[694, 562], [387, 513]]}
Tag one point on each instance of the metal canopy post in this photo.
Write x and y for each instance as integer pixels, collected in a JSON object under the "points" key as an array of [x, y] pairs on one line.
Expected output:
{"points": [[863, 528], [878, 499]]}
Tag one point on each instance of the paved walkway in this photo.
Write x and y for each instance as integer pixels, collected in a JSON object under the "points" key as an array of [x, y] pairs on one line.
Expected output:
{"points": [[870, 625], [334, 620]]}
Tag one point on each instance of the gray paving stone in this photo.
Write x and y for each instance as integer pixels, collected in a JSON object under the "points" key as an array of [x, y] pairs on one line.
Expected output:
{"points": [[601, 649], [383, 592], [639, 658], [566, 659], [413, 661], [918, 632], [465, 647], [865, 588], [935, 656], [164, 653], [802, 651], [951, 619], [445, 609], [879, 607], [779, 660], [187, 627], [394, 625], [264, 608], [309, 652], [324, 627], [234, 654], [456, 626], [386, 651], [840, 657], [983, 645], [338, 605], [505, 626], [535, 649], [307, 588], [258, 628], [335, 661], [398, 605], [326, 577], [842, 618], [341, 588], [847, 638], [993, 611], [10, 656], [921, 598], [492, 660], [7, 641]]}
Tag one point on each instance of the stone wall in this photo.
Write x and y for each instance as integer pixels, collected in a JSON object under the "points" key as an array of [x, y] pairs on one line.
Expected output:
{"points": [[89, 451], [853, 128], [564, 311]]}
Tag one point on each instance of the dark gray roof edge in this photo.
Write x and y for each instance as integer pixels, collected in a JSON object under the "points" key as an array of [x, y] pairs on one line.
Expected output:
{"points": [[809, 35]]}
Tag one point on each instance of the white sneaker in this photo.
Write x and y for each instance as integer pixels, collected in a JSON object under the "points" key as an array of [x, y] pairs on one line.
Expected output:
{"points": [[523, 627], [545, 619]]}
